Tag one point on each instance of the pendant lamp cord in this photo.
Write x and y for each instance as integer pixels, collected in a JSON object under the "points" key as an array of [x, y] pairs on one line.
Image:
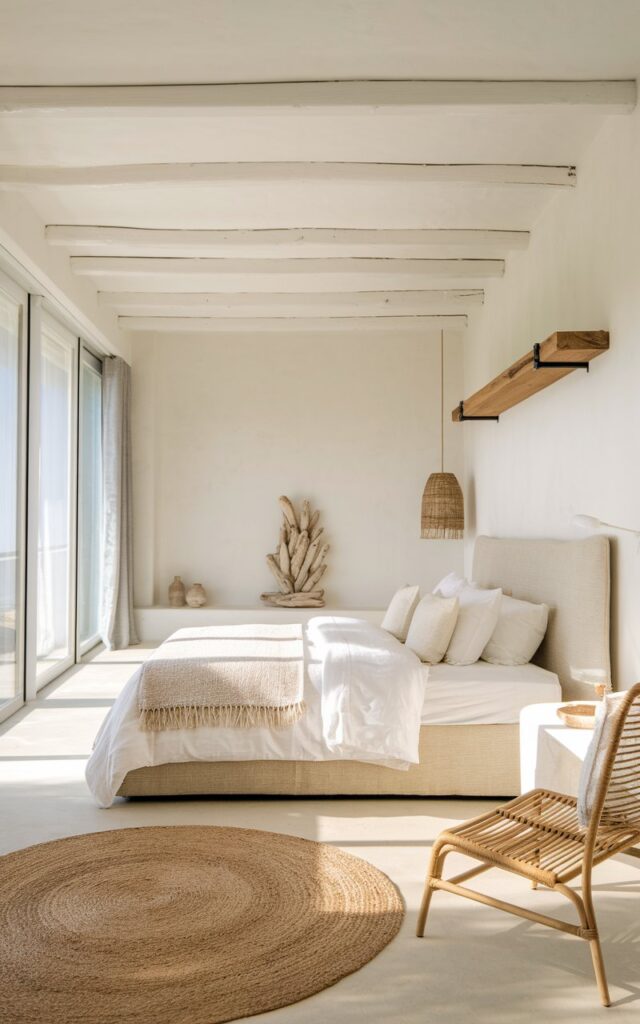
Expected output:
{"points": [[442, 401]]}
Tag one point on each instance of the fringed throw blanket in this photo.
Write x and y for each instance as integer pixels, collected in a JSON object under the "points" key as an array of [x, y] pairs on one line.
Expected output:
{"points": [[234, 676]]}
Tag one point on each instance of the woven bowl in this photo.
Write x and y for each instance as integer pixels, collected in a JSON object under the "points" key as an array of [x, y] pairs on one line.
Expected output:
{"points": [[578, 716]]}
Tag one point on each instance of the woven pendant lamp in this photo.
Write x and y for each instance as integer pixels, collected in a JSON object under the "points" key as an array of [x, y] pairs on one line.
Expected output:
{"points": [[442, 513]]}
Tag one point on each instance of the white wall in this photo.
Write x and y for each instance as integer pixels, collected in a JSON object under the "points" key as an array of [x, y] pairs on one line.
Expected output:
{"points": [[576, 446], [225, 424]]}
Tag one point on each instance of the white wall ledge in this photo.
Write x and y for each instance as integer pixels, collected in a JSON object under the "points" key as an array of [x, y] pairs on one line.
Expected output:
{"points": [[158, 622]]}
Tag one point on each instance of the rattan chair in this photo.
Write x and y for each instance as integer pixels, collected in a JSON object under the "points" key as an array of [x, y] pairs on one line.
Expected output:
{"points": [[538, 836]]}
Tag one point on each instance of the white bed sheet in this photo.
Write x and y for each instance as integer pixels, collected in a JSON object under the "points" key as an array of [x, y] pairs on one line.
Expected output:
{"points": [[484, 694]]}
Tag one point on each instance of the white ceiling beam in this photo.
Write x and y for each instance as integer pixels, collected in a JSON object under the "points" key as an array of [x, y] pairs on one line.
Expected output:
{"points": [[124, 241], [347, 97], [144, 266], [299, 324], [283, 304], [14, 176]]}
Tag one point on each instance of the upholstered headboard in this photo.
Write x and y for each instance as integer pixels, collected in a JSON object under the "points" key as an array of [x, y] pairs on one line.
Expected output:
{"points": [[572, 577]]}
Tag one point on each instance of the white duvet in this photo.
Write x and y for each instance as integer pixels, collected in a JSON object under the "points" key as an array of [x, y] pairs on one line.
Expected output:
{"points": [[363, 690]]}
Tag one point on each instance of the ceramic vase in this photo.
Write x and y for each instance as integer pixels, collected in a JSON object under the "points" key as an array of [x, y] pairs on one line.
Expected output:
{"points": [[196, 596], [176, 593]]}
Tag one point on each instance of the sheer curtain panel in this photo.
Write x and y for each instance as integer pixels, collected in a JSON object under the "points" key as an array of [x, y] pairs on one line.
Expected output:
{"points": [[116, 619]]}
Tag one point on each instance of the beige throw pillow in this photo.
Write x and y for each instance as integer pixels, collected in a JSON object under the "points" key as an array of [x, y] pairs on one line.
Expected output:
{"points": [[606, 720], [432, 626], [400, 611]]}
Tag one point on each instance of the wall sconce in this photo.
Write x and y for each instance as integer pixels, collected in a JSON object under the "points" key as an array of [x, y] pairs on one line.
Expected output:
{"points": [[591, 523]]}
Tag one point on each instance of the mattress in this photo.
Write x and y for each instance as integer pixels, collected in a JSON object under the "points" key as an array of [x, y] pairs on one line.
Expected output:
{"points": [[484, 694]]}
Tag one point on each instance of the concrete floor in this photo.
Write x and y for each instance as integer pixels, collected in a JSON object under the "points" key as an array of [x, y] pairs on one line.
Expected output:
{"points": [[476, 963]]}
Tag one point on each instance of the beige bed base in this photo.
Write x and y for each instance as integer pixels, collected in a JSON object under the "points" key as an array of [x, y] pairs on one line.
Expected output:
{"points": [[455, 760]]}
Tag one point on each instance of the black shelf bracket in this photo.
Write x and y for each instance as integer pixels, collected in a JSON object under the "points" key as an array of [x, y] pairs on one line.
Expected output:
{"points": [[464, 418], [540, 364]]}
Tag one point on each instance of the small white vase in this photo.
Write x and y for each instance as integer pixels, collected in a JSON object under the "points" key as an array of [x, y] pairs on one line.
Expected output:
{"points": [[176, 593], [196, 596]]}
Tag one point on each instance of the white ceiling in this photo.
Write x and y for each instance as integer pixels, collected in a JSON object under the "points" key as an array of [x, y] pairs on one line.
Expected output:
{"points": [[80, 42], [553, 136], [151, 41]]}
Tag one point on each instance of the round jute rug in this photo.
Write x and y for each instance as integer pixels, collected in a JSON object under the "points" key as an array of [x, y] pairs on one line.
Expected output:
{"points": [[188, 925]]}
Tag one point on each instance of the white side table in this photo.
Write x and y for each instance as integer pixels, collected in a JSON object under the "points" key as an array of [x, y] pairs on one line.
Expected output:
{"points": [[551, 753]]}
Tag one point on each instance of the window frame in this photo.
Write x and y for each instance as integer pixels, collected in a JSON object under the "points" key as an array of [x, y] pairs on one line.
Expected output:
{"points": [[21, 296], [89, 359]]}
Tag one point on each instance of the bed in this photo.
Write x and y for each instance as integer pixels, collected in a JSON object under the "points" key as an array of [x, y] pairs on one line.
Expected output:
{"points": [[468, 735]]}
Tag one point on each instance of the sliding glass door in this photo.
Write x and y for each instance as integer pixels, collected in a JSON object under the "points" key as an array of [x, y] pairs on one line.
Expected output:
{"points": [[50, 496], [89, 502], [13, 357], [55, 634]]}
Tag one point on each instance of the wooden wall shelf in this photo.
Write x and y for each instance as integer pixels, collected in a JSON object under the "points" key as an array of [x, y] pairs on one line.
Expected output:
{"points": [[576, 349]]}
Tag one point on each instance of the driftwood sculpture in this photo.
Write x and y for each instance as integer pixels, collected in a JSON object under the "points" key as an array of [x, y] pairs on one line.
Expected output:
{"points": [[298, 563]]}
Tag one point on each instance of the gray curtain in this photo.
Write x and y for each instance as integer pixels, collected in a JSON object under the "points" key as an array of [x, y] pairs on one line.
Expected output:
{"points": [[117, 627]]}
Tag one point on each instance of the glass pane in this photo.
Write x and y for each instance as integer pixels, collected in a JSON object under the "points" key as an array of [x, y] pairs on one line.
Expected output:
{"points": [[90, 505], [10, 532], [55, 519]]}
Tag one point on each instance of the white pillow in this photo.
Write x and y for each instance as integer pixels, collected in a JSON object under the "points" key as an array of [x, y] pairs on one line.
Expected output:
{"points": [[450, 586], [432, 626], [519, 633], [477, 619], [400, 611]]}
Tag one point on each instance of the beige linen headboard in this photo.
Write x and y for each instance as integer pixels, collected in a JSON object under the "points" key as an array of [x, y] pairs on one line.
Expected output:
{"points": [[572, 577]]}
